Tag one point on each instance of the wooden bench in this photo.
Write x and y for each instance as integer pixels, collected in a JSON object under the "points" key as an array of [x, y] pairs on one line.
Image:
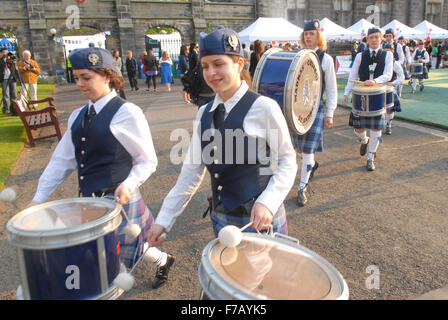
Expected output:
{"points": [[36, 119]]}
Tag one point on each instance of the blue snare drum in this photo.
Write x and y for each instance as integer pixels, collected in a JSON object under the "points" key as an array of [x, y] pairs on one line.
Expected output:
{"points": [[67, 249], [416, 68], [390, 91], [293, 79], [369, 101]]}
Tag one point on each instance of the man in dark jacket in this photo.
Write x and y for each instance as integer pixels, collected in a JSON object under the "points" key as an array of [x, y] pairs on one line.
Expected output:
{"points": [[8, 78], [439, 55], [132, 70]]}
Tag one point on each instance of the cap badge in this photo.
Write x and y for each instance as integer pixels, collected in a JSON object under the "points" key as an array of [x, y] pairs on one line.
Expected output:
{"points": [[233, 41], [93, 58], [316, 24]]}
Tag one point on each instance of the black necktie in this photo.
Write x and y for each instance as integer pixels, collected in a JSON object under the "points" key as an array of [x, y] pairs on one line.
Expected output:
{"points": [[373, 56], [218, 116], [91, 113]]}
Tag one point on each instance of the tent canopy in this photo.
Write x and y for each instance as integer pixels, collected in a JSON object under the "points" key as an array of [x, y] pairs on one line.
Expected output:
{"points": [[5, 43], [270, 29], [431, 30], [333, 31], [361, 27], [400, 29]]}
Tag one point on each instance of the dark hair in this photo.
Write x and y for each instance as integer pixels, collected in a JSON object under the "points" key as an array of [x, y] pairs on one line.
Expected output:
{"points": [[193, 46], [3, 49], [116, 82], [244, 46], [182, 50], [258, 49]]}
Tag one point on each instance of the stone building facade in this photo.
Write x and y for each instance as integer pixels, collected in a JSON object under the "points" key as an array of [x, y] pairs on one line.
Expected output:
{"points": [[129, 20]]}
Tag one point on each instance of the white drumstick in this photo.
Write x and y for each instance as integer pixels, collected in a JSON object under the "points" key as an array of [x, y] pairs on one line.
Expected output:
{"points": [[125, 280], [9, 195], [231, 236]]}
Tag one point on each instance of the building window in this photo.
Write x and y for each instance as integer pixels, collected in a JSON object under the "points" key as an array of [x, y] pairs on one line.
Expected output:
{"points": [[434, 11], [342, 12], [385, 7], [296, 10]]}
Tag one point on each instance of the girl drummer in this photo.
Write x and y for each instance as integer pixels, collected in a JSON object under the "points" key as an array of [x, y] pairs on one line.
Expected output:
{"points": [[243, 191], [396, 81], [373, 66], [312, 141], [109, 142], [420, 55]]}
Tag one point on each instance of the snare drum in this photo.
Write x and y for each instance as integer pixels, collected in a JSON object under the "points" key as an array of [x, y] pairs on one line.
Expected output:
{"points": [[68, 249], [267, 267], [293, 79], [390, 91], [369, 101], [416, 68]]}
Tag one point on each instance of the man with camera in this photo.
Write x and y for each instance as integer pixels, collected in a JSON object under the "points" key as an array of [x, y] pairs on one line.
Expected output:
{"points": [[8, 78], [29, 70]]}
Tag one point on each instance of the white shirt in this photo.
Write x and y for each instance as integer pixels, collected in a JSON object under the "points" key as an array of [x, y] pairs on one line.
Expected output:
{"points": [[385, 77], [426, 56], [264, 115], [7, 73], [129, 127], [398, 69], [331, 86], [399, 50]]}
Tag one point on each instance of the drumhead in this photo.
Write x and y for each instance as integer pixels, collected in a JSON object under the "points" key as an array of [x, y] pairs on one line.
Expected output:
{"points": [[369, 90], [263, 267], [54, 224]]}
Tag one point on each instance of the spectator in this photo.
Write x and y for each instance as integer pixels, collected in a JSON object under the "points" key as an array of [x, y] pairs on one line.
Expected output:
{"points": [[142, 65], [183, 68], [29, 70], [439, 55], [8, 78], [255, 56], [166, 70], [287, 47], [193, 56], [152, 69], [118, 65], [246, 55], [132, 70], [70, 77]]}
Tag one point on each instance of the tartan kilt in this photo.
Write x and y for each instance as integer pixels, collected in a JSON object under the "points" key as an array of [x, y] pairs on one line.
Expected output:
{"points": [[138, 213], [397, 104], [220, 220], [311, 141], [422, 76], [359, 122]]}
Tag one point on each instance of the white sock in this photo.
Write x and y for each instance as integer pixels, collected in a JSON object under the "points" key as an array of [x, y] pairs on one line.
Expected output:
{"points": [[362, 136], [374, 142], [389, 118], [155, 255], [307, 166]]}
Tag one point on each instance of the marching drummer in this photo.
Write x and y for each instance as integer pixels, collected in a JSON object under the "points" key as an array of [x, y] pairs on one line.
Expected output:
{"points": [[244, 190], [109, 143], [421, 55], [396, 81], [307, 145], [373, 66]]}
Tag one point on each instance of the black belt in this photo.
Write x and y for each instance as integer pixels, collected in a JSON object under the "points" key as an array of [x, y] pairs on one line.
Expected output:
{"points": [[99, 193], [238, 212]]}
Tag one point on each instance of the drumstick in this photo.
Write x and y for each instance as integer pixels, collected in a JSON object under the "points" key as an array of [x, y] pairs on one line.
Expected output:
{"points": [[9, 195], [356, 81], [125, 280], [132, 230], [231, 236]]}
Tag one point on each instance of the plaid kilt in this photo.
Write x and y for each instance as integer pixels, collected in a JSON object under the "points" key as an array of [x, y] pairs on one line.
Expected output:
{"points": [[359, 122], [311, 141], [397, 104], [220, 220], [138, 213]]}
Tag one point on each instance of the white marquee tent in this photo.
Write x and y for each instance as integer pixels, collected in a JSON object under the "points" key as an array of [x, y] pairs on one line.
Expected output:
{"points": [[270, 29], [400, 29], [431, 30], [333, 31], [361, 27]]}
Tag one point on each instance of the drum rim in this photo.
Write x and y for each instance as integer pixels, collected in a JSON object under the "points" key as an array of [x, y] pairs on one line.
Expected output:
{"points": [[288, 90], [334, 276], [372, 92], [29, 239]]}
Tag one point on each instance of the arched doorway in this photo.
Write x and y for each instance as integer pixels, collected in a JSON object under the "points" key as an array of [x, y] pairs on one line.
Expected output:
{"points": [[164, 38]]}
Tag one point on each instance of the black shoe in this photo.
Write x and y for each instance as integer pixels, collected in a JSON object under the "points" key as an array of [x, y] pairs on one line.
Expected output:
{"points": [[388, 130], [301, 197], [162, 272], [363, 148], [370, 165], [421, 87], [136, 89], [316, 165]]}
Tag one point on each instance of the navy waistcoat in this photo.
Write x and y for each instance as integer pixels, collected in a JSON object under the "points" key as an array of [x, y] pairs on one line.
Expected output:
{"points": [[102, 161], [364, 72], [235, 178]]}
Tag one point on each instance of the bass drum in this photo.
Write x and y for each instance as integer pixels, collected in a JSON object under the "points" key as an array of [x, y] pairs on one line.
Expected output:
{"points": [[293, 79]]}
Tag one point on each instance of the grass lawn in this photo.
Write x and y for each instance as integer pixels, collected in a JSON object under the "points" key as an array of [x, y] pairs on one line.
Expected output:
{"points": [[13, 135]]}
